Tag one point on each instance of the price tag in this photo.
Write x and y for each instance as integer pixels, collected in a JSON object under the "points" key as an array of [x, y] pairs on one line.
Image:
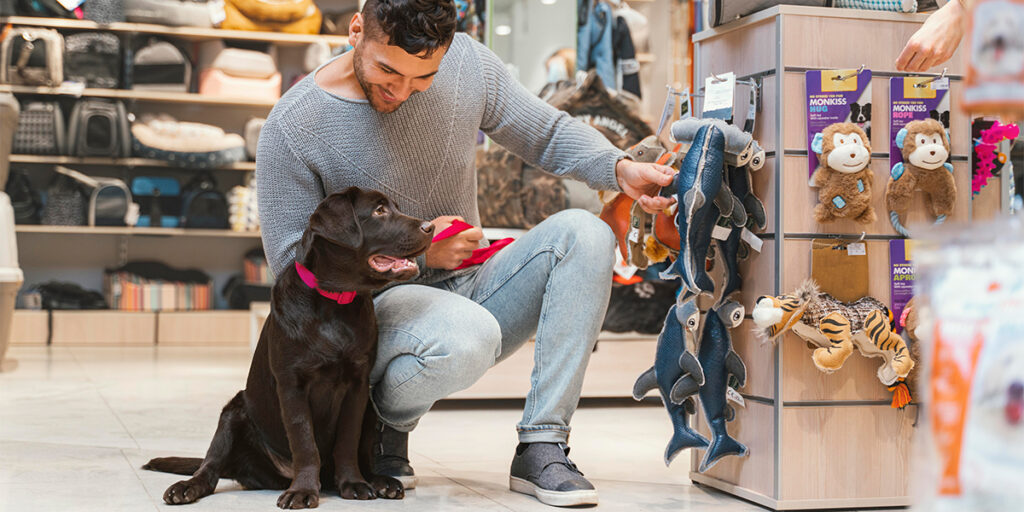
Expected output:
{"points": [[752, 240], [666, 112], [734, 396], [856, 249], [720, 232], [686, 108], [634, 235], [718, 96], [622, 269]]}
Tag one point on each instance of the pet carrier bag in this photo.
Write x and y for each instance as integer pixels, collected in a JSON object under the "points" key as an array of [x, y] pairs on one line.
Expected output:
{"points": [[32, 56], [25, 199], [99, 127], [67, 199], [40, 129], [723, 11], [204, 206], [104, 11], [94, 59], [161, 66], [159, 201]]}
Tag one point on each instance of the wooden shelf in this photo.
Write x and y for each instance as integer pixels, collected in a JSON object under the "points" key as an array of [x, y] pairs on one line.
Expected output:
{"points": [[194, 33], [127, 94], [120, 162], [113, 230], [645, 58]]}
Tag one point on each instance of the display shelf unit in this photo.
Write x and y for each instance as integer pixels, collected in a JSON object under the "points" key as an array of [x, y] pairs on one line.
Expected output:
{"points": [[193, 33], [116, 162], [128, 94], [816, 441], [489, 233]]}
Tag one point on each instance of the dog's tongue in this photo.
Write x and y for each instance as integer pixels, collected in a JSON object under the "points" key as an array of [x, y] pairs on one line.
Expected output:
{"points": [[382, 263]]}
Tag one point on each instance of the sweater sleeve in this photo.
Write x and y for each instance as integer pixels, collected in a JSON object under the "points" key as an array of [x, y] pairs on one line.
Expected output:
{"points": [[288, 192], [539, 133]]}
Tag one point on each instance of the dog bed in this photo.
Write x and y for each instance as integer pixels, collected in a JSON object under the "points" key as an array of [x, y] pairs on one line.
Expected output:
{"points": [[184, 144]]}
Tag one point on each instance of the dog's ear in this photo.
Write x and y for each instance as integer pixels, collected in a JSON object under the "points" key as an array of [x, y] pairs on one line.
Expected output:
{"points": [[335, 221]]}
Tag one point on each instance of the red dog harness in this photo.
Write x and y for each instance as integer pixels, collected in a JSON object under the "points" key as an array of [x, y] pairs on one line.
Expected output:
{"points": [[310, 280], [480, 255]]}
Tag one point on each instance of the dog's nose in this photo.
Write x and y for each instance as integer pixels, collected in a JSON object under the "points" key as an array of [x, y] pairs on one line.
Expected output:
{"points": [[427, 227]]}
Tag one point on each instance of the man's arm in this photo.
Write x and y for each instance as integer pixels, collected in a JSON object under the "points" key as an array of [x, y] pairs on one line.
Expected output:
{"points": [[541, 134], [288, 192]]}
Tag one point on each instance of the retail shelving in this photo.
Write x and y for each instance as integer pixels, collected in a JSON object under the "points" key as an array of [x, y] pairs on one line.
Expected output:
{"points": [[193, 33], [127, 94], [119, 162], [490, 233]]}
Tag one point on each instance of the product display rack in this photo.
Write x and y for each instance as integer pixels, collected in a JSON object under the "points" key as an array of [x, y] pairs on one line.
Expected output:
{"points": [[117, 162], [128, 94], [191, 33], [817, 440]]}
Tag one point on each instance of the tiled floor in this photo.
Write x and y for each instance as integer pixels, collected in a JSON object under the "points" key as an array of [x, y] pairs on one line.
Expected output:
{"points": [[77, 423]]}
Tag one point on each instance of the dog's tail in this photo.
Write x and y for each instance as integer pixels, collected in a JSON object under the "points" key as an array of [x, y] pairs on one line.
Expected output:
{"points": [[178, 465]]}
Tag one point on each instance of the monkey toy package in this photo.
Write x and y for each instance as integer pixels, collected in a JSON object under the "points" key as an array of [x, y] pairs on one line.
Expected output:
{"points": [[837, 96]]}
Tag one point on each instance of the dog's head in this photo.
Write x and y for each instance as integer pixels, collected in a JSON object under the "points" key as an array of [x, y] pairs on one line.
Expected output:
{"points": [[357, 239], [860, 114]]}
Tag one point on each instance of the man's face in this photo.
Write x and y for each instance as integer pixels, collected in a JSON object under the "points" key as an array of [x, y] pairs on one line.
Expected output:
{"points": [[388, 74]]}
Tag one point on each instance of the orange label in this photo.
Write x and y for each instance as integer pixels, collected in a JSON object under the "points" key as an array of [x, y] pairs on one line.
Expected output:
{"points": [[956, 357]]}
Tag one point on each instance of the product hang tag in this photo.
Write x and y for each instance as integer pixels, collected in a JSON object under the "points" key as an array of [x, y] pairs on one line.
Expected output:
{"points": [[755, 93], [666, 111], [634, 235], [720, 232], [718, 96], [752, 240], [839, 270], [623, 269], [686, 106], [735, 397]]}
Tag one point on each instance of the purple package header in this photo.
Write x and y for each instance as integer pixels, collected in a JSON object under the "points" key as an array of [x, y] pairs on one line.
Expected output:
{"points": [[901, 278], [828, 107], [906, 110]]}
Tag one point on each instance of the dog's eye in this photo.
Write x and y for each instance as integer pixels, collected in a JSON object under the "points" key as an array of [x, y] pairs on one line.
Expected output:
{"points": [[381, 210]]}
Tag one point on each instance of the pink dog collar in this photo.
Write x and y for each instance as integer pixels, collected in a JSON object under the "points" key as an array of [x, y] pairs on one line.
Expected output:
{"points": [[310, 280]]}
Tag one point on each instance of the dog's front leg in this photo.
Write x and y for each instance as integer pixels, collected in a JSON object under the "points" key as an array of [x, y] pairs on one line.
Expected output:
{"points": [[304, 491], [351, 484]]}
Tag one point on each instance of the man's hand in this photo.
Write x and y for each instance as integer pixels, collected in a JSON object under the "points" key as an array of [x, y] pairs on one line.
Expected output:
{"points": [[936, 40], [449, 253], [641, 182]]}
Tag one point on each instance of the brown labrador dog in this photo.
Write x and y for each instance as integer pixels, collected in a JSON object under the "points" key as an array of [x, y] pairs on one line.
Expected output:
{"points": [[303, 421]]}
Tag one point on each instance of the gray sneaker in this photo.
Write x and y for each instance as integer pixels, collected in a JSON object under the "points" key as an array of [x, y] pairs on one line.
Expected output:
{"points": [[391, 456], [544, 470]]}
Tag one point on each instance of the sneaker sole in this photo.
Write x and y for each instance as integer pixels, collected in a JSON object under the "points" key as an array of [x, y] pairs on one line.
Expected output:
{"points": [[553, 498], [408, 482]]}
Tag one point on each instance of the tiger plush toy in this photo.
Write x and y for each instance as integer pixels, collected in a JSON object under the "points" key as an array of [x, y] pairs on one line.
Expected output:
{"points": [[837, 328]]}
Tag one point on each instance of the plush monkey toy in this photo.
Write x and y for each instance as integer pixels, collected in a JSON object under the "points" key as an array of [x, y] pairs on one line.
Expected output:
{"points": [[843, 177], [925, 148]]}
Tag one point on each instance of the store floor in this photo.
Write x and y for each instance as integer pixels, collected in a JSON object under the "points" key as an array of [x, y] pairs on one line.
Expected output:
{"points": [[77, 423]]}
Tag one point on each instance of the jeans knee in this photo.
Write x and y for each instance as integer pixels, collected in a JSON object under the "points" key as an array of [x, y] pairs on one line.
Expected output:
{"points": [[590, 234], [469, 353]]}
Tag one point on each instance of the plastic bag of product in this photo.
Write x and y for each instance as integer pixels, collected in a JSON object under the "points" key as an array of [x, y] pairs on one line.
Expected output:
{"points": [[971, 453]]}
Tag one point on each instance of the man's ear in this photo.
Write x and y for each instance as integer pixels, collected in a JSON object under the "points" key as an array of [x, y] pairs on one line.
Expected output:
{"points": [[356, 29]]}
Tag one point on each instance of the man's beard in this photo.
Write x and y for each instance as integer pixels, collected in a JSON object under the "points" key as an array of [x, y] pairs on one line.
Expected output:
{"points": [[378, 104]]}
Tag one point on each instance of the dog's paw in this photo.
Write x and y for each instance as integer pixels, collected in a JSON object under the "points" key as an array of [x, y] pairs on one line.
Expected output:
{"points": [[299, 498], [185, 491], [356, 491], [387, 487]]}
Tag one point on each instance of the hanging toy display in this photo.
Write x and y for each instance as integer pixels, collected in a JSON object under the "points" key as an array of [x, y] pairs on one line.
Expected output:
{"points": [[837, 328], [925, 148], [843, 177], [987, 159], [720, 362], [677, 375]]}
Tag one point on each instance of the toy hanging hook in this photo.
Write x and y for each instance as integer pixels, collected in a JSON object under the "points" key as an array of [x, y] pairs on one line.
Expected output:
{"points": [[851, 75], [717, 78], [863, 234], [932, 79]]}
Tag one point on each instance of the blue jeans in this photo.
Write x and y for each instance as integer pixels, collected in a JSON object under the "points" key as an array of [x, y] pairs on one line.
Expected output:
{"points": [[554, 281]]}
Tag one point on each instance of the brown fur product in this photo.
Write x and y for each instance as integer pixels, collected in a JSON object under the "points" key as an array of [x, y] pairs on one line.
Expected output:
{"points": [[843, 177], [925, 148]]}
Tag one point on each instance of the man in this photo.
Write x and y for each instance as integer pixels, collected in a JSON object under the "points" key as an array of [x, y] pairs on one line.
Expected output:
{"points": [[400, 114]]}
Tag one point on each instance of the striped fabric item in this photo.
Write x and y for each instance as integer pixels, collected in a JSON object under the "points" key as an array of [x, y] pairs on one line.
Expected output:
{"points": [[878, 5], [128, 292]]}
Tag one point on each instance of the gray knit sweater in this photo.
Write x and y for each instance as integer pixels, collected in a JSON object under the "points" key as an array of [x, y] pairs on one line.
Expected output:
{"points": [[422, 156]]}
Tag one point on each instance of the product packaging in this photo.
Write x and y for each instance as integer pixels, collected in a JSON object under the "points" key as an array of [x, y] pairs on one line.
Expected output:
{"points": [[913, 99], [836, 96]]}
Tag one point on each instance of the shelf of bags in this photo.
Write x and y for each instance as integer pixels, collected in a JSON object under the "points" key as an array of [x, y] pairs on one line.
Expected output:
{"points": [[127, 94], [122, 162], [195, 33], [114, 230]]}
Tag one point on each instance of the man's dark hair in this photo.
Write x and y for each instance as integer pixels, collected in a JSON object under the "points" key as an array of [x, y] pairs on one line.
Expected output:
{"points": [[416, 26]]}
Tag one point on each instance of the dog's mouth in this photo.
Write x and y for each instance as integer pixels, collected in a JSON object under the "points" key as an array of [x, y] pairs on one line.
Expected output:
{"points": [[383, 263]]}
